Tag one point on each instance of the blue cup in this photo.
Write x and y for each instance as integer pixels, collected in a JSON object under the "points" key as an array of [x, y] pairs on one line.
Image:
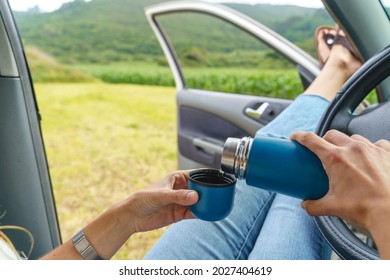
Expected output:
{"points": [[216, 191]]}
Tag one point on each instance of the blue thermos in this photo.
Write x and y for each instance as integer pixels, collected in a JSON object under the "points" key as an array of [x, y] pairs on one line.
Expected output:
{"points": [[274, 164]]}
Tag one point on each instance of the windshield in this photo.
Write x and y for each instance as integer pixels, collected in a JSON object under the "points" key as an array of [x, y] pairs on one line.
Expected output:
{"points": [[386, 6]]}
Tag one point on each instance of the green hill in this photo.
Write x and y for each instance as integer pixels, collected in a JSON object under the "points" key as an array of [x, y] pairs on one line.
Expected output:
{"points": [[103, 31], [44, 68]]}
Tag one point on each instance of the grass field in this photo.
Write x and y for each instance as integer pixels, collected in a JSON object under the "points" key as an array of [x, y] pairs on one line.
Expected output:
{"points": [[105, 142]]}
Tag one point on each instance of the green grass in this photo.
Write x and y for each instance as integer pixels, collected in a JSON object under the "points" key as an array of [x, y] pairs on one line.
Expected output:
{"points": [[104, 142]]}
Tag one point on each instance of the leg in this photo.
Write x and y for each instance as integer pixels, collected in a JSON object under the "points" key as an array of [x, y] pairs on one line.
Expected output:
{"points": [[288, 232]]}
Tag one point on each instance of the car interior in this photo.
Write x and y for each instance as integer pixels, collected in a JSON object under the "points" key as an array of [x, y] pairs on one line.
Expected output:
{"points": [[25, 186]]}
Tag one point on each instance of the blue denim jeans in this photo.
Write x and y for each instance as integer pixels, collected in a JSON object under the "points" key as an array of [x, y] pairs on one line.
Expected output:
{"points": [[262, 225]]}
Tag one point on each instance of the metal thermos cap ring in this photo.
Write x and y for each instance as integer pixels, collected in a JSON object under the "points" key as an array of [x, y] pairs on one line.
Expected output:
{"points": [[235, 155]]}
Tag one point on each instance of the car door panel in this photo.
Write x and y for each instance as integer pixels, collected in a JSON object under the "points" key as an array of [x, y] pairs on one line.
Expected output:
{"points": [[204, 123], [26, 198]]}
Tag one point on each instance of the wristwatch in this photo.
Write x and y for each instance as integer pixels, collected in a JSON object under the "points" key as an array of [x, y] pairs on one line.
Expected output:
{"points": [[84, 248]]}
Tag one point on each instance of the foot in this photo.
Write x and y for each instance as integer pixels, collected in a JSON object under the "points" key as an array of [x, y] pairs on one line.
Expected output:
{"points": [[340, 65], [324, 39], [342, 60]]}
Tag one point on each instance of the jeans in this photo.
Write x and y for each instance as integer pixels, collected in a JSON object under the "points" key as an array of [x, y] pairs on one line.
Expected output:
{"points": [[262, 225]]}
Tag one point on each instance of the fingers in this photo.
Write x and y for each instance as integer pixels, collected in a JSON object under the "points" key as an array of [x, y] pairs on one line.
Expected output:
{"points": [[337, 138], [188, 214], [384, 144], [179, 179], [175, 180], [313, 142], [361, 139], [332, 139]]}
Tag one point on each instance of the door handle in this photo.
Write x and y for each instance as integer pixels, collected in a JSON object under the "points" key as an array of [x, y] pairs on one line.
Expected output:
{"points": [[211, 146], [258, 112]]}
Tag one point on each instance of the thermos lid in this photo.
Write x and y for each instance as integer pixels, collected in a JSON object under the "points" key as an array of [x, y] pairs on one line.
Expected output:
{"points": [[234, 156], [229, 155]]}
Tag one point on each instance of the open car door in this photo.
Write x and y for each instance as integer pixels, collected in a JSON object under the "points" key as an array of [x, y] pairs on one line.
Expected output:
{"points": [[26, 197], [207, 115]]}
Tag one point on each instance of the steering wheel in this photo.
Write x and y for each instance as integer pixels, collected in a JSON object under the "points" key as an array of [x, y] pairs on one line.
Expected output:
{"points": [[374, 124]]}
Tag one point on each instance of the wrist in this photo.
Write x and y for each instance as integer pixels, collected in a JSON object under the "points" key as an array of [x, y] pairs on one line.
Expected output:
{"points": [[379, 227], [110, 231], [127, 216], [377, 215]]}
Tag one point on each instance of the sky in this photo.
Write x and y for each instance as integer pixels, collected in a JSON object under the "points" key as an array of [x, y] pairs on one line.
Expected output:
{"points": [[51, 5], [44, 5]]}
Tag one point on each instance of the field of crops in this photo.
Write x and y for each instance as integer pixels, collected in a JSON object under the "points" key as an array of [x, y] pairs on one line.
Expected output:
{"points": [[275, 83]]}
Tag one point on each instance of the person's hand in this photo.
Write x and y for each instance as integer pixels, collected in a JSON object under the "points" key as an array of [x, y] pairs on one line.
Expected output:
{"points": [[164, 203], [359, 176]]}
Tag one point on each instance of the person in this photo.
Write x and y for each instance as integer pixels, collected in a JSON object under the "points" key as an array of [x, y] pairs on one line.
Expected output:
{"points": [[359, 182], [265, 225]]}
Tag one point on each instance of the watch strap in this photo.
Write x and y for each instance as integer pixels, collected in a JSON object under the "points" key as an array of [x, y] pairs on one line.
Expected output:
{"points": [[83, 247]]}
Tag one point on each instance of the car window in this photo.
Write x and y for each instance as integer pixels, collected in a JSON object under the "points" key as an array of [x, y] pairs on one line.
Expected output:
{"points": [[295, 23], [227, 59]]}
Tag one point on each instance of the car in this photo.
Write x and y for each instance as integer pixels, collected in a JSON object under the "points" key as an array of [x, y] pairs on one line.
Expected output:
{"points": [[206, 116]]}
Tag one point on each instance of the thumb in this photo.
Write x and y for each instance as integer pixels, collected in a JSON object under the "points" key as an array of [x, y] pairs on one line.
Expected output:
{"points": [[185, 197], [316, 207], [182, 197]]}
